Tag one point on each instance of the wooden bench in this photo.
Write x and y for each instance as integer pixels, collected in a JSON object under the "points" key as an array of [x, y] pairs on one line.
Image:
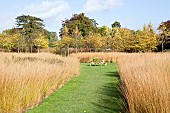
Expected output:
{"points": [[97, 61]]}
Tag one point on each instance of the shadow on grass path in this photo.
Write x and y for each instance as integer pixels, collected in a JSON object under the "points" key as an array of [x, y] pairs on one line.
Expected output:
{"points": [[96, 90]]}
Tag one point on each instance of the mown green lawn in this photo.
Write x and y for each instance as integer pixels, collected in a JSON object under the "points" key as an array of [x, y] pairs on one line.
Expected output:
{"points": [[96, 90]]}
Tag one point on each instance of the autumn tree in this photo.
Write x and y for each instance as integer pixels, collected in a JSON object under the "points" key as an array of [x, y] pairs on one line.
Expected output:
{"points": [[18, 42], [66, 40], [77, 27], [147, 38], [40, 41], [76, 35], [6, 42], [126, 40], [16, 38], [164, 29], [29, 25], [1, 41], [120, 38], [84, 24], [93, 41], [66, 43], [105, 32]]}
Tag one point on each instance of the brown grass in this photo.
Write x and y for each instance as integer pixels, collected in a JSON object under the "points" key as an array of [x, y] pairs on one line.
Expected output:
{"points": [[109, 56], [26, 79], [146, 82]]}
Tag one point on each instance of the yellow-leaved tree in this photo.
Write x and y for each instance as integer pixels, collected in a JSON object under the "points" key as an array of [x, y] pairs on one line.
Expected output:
{"points": [[6, 42], [95, 41], [76, 35], [40, 41], [66, 42], [147, 39]]}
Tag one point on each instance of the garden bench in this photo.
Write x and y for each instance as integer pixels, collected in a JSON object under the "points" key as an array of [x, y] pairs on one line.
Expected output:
{"points": [[97, 61]]}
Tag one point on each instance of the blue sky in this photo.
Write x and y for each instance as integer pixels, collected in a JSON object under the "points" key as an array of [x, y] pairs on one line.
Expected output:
{"points": [[132, 14]]}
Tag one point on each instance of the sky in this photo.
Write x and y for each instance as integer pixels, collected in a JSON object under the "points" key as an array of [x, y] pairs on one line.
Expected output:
{"points": [[132, 14]]}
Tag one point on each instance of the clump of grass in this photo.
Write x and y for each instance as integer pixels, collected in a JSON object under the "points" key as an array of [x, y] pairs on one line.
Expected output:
{"points": [[26, 79], [146, 82]]}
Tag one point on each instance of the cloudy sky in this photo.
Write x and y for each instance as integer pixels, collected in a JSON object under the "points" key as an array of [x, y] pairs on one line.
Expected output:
{"points": [[130, 13]]}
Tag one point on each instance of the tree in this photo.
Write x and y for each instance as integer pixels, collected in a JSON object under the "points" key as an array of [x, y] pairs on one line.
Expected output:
{"points": [[66, 43], [94, 41], [76, 36], [164, 29], [52, 38], [126, 40], [116, 24], [40, 41], [84, 24], [6, 42], [29, 25], [105, 32], [97, 41], [16, 38], [66, 40], [149, 38], [144, 40], [119, 39], [18, 41]]}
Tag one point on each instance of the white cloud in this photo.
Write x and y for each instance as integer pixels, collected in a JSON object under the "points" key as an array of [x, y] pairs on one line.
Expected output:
{"points": [[93, 6], [51, 11], [47, 10]]}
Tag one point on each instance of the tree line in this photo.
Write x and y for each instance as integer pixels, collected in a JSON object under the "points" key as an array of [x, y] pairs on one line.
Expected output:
{"points": [[82, 34], [29, 35]]}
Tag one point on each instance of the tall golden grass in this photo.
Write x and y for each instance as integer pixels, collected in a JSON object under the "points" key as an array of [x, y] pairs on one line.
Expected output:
{"points": [[26, 79], [145, 79], [146, 82]]}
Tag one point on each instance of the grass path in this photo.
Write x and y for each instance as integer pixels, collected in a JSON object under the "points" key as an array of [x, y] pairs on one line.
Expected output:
{"points": [[94, 91]]}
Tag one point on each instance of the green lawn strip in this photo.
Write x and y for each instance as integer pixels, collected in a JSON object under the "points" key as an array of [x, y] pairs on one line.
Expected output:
{"points": [[94, 91]]}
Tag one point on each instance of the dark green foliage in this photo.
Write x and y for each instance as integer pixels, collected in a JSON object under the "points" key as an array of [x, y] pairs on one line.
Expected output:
{"points": [[85, 25], [29, 25], [116, 24], [52, 37], [164, 36]]}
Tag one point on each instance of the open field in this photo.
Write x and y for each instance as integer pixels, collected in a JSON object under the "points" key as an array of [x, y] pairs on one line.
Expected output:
{"points": [[26, 79]]}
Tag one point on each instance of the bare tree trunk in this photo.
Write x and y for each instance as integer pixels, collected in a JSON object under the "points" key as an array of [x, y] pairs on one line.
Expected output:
{"points": [[38, 49], [31, 48], [76, 45], [65, 52], [22, 49], [18, 47], [68, 51], [76, 48], [162, 46]]}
